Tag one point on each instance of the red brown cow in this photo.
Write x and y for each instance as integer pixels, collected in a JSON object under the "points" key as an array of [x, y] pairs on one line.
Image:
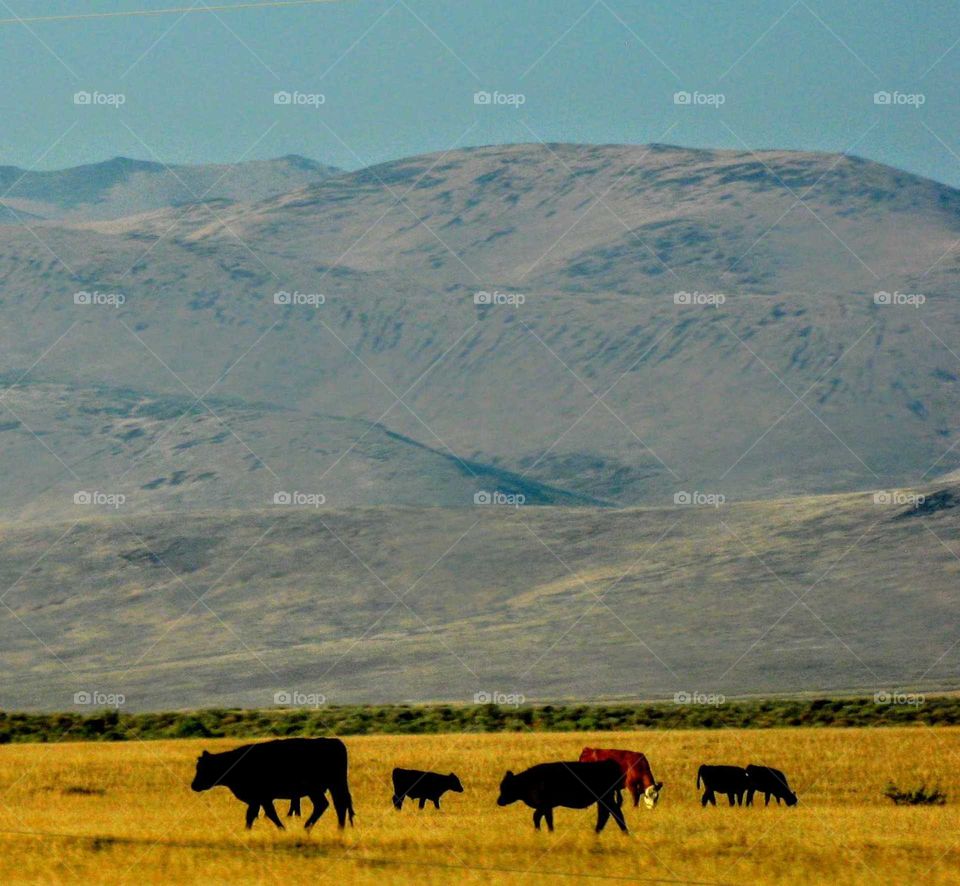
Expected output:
{"points": [[637, 777]]}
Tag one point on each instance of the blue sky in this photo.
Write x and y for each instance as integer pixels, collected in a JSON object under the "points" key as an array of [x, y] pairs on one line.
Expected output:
{"points": [[398, 78]]}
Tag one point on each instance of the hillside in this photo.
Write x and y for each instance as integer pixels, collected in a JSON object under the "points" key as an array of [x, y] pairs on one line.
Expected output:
{"points": [[169, 454], [378, 604], [797, 383], [123, 187]]}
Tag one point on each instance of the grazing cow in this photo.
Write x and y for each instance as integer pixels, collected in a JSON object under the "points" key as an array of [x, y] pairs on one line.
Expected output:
{"points": [[769, 782], [285, 769], [422, 786], [729, 780], [574, 785], [637, 777]]}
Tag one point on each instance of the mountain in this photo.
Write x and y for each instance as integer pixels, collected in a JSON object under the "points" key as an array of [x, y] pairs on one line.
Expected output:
{"points": [[819, 594], [604, 366], [558, 420], [171, 454], [631, 219], [122, 186]]}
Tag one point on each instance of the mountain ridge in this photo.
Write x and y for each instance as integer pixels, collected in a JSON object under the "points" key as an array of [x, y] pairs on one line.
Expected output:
{"points": [[124, 186], [695, 397]]}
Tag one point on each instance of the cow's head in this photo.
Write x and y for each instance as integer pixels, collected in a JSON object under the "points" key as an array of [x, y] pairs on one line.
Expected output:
{"points": [[652, 794], [206, 776], [790, 798], [454, 783], [508, 790]]}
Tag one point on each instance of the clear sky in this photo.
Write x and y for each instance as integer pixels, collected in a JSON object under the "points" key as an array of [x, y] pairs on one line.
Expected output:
{"points": [[399, 78]]}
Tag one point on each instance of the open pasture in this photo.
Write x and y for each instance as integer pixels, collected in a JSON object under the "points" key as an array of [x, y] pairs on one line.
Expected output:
{"points": [[124, 812]]}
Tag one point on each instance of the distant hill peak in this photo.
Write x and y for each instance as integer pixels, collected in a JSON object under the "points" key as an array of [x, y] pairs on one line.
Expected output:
{"points": [[125, 186]]}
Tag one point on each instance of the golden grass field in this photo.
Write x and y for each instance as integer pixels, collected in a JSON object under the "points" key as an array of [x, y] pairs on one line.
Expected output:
{"points": [[124, 813]]}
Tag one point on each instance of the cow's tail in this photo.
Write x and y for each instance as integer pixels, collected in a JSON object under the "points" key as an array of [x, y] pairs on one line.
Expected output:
{"points": [[699, 775]]}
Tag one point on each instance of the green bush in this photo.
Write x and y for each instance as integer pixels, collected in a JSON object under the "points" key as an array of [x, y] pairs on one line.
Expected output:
{"points": [[445, 718]]}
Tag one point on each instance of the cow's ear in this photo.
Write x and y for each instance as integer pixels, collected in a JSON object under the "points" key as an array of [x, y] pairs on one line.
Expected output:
{"points": [[659, 785], [205, 754], [509, 773]]}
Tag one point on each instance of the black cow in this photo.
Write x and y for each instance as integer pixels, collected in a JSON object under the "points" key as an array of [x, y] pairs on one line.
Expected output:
{"points": [[574, 785], [769, 782], [729, 780], [422, 786], [285, 769]]}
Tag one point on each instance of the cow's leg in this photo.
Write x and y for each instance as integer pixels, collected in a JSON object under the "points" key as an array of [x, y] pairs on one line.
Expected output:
{"points": [[778, 801], [603, 813], [750, 797], [342, 802], [271, 813], [320, 804], [537, 816], [708, 797], [253, 810], [423, 802], [730, 798], [398, 801], [766, 799], [635, 790], [294, 807], [548, 817], [617, 813], [436, 802]]}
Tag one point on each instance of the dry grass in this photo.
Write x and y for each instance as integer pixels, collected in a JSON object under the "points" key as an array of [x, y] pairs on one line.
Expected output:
{"points": [[125, 813]]}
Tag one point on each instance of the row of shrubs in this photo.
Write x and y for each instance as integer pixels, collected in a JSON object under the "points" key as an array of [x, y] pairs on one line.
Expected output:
{"points": [[408, 719]]}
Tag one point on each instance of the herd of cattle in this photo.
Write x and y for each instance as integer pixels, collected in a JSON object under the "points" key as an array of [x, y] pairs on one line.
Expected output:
{"points": [[288, 769]]}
